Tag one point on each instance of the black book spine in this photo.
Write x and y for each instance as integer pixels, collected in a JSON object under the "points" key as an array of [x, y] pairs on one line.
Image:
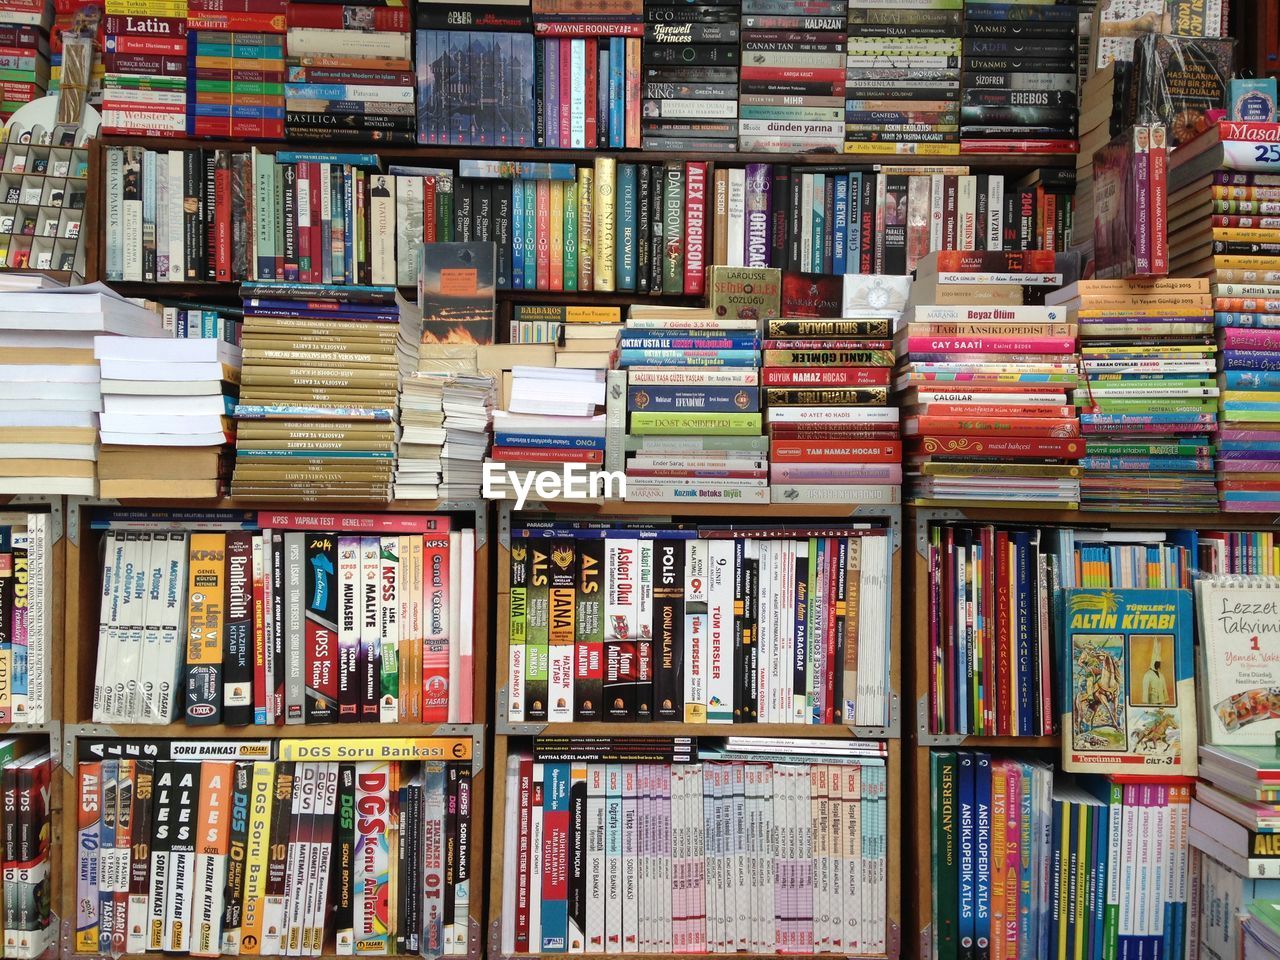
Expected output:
{"points": [[739, 642], [1027, 220], [278, 620], [836, 669], [793, 228], [868, 225], [750, 644], [209, 215], [602, 97], [452, 775], [502, 194], [577, 856], [237, 657], [590, 629], [289, 215], [343, 869], [980, 217], [657, 229], [233, 892], [191, 166], [828, 210], [463, 226], [642, 227], [539, 101], [780, 215], [668, 629], [482, 211], [463, 872]]}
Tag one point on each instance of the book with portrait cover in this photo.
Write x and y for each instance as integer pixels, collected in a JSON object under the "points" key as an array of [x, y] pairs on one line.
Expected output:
{"points": [[1239, 619], [456, 292], [1128, 704]]}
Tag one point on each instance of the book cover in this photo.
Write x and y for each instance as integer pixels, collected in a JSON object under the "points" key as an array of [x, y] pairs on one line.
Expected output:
{"points": [[456, 292], [1237, 621], [1129, 706]]}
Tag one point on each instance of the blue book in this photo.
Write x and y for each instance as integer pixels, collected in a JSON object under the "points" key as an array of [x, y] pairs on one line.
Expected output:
{"points": [[1235, 319], [674, 340], [555, 841], [853, 256], [840, 226], [517, 235], [1026, 868], [107, 840], [1098, 869], [982, 843], [968, 840], [547, 440], [694, 399], [517, 170], [1253, 380], [1260, 446], [551, 68], [351, 159], [1027, 659], [625, 240], [617, 93]]}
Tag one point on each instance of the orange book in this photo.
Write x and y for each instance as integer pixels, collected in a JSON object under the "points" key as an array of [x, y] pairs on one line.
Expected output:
{"points": [[213, 842]]}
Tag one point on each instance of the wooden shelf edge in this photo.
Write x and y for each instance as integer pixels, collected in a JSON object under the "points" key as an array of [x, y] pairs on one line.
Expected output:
{"points": [[983, 743], [1082, 518], [312, 731], [354, 506], [670, 729], [623, 509]]}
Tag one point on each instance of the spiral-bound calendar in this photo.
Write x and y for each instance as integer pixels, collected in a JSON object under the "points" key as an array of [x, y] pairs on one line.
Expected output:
{"points": [[1239, 659]]}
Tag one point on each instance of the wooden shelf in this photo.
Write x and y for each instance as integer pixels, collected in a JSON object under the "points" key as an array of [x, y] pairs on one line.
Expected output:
{"points": [[352, 506], [1051, 742], [430, 153], [299, 731], [659, 728]]}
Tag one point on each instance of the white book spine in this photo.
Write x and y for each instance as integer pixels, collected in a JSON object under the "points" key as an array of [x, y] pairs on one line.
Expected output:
{"points": [[174, 217], [133, 612], [937, 210], [409, 229], [995, 211], [806, 223], [367, 683], [324, 848], [535, 859], [304, 808], [695, 630], [382, 233], [577, 99], [389, 565], [115, 213], [38, 618], [719, 666], [621, 587], [596, 866], [967, 211], [696, 894], [736, 245], [630, 860], [433, 872], [613, 861], [161, 213]]}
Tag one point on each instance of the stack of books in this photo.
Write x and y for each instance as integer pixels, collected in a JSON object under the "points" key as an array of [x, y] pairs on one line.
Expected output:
{"points": [[586, 74], [319, 391], [682, 881], [833, 436], [588, 344], [418, 466], [365, 90], [692, 406], [903, 83], [325, 647], [544, 322], [27, 775], [792, 77], [50, 384], [166, 416], [144, 89], [1148, 400], [237, 87], [475, 84], [293, 869], [468, 418], [684, 107], [552, 422], [1026, 100], [1003, 826], [1101, 100], [984, 389], [1249, 398], [24, 70]]}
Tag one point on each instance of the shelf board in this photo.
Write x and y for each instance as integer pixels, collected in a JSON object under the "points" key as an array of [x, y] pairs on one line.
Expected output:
{"points": [[1025, 743], [1085, 518], [228, 293], [1020, 161], [623, 509], [646, 728], [300, 731]]}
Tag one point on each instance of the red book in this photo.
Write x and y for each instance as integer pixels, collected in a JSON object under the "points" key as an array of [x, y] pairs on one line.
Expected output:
{"points": [[354, 523], [994, 410], [543, 234], [357, 19], [807, 74], [695, 224], [155, 27], [995, 447], [545, 28], [991, 261], [222, 217], [542, 455], [1251, 338], [822, 345], [810, 431], [817, 451], [565, 48], [429, 233], [162, 46], [822, 377], [1019, 146], [246, 22], [1000, 426], [236, 6], [436, 679], [591, 93], [1004, 641], [827, 692], [525, 795], [988, 659]]}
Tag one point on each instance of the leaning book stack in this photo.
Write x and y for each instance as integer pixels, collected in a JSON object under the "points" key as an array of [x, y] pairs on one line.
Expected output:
{"points": [[350, 73], [237, 88], [984, 393], [273, 618], [27, 777], [24, 73], [833, 436], [144, 89], [688, 83], [166, 416], [317, 416], [295, 873], [1020, 79], [686, 393], [1148, 401], [903, 78], [792, 84], [51, 384], [636, 847]]}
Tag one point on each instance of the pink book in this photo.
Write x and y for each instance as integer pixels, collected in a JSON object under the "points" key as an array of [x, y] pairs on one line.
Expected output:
{"points": [[1013, 854], [354, 523], [1159, 163], [436, 674], [850, 473], [1251, 338], [465, 640], [1140, 185], [991, 344], [695, 235], [1249, 466], [565, 55]]}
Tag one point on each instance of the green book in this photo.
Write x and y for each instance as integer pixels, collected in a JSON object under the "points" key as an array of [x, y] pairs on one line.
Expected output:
{"points": [[1156, 404], [264, 211], [673, 228], [538, 631], [946, 862], [571, 237], [690, 424]]}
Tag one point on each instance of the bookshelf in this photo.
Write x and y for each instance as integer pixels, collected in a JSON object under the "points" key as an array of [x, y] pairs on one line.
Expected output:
{"points": [[504, 731], [918, 792], [78, 633]]}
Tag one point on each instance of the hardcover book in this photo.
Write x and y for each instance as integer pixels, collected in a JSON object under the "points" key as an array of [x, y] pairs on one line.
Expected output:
{"points": [[1129, 703]]}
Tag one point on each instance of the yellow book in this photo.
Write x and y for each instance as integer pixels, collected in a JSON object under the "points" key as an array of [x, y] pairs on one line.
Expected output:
{"points": [[556, 238], [206, 618], [257, 851], [586, 228], [603, 218], [916, 149]]}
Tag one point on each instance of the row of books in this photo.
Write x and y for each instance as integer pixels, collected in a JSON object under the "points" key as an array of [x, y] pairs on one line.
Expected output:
{"points": [[700, 625], [1060, 868], [331, 845], [26, 617], [270, 620], [27, 774], [692, 848], [219, 215]]}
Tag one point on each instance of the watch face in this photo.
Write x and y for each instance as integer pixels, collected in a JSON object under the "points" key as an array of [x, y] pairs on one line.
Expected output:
{"points": [[878, 297]]}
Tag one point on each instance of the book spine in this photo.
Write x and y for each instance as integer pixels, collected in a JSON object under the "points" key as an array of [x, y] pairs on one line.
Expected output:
{"points": [[673, 272], [695, 227], [604, 209]]}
